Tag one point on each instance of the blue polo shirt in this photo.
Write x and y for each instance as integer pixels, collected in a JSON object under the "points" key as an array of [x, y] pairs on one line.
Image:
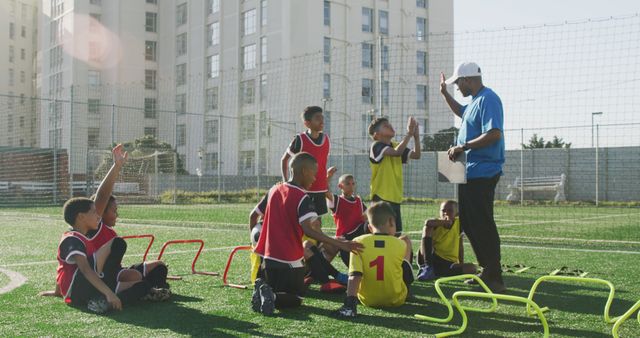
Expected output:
{"points": [[481, 115]]}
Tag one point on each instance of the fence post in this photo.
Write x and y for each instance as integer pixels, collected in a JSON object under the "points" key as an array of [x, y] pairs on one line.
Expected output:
{"points": [[55, 151], [521, 166], [70, 156], [257, 162], [113, 123], [219, 164], [455, 185], [175, 159], [597, 165]]}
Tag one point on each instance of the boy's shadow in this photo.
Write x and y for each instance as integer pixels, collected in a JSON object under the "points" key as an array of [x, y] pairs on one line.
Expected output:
{"points": [[177, 318]]}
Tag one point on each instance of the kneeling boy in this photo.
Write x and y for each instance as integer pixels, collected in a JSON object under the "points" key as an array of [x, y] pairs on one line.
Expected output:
{"points": [[380, 275]]}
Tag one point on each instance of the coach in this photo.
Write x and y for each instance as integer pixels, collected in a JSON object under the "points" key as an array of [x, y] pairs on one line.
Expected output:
{"points": [[481, 137]]}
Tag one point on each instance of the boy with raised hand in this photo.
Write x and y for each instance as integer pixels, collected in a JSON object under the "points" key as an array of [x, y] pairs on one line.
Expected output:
{"points": [[441, 252], [287, 215], [80, 276], [315, 142], [349, 215], [379, 276], [386, 158]]}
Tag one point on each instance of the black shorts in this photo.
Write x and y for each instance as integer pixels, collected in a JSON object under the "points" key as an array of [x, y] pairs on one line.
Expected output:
{"points": [[319, 202], [445, 268], [81, 290], [396, 209], [407, 273], [287, 280]]}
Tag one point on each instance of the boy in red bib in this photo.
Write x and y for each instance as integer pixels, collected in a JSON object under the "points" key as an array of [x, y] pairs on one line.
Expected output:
{"points": [[287, 215]]}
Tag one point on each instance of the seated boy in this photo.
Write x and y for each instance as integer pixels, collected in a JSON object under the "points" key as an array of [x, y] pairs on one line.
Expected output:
{"points": [[83, 271], [287, 215], [348, 212], [380, 275], [441, 251]]}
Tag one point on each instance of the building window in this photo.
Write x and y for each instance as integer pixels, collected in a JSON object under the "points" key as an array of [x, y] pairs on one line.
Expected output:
{"points": [[93, 106], [249, 22], [367, 55], [11, 54], [11, 79], [23, 32], [245, 162], [211, 131], [22, 54], [367, 91], [22, 76], [265, 129], [421, 60], [181, 135], [181, 104], [385, 58], [263, 49], [249, 57], [93, 137], [248, 127], [181, 14], [212, 99], [421, 28], [150, 108], [93, 78], [383, 22], [366, 120], [247, 91], [22, 99], [213, 66], [149, 79], [327, 13], [326, 86], [210, 163], [151, 131], [150, 23], [421, 3], [150, 50], [263, 87], [385, 92], [367, 19], [181, 44], [421, 95], [181, 74], [263, 12], [327, 122], [327, 50], [213, 6], [12, 30], [96, 2], [153, 2], [213, 33]]}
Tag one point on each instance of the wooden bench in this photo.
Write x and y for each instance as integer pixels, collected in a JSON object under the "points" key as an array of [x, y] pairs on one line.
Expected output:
{"points": [[549, 183]]}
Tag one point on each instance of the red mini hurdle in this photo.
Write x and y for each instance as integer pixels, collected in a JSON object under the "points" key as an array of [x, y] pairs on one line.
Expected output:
{"points": [[226, 269], [151, 239], [195, 259]]}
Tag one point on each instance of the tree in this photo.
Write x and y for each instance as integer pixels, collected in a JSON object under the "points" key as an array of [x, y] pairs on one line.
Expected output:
{"points": [[440, 141], [536, 142]]}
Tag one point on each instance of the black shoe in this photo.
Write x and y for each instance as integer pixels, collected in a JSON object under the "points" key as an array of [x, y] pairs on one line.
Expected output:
{"points": [[347, 311], [255, 297], [267, 300], [98, 305]]}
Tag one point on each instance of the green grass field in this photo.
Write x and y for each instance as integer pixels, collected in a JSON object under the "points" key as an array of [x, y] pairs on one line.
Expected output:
{"points": [[602, 241]]}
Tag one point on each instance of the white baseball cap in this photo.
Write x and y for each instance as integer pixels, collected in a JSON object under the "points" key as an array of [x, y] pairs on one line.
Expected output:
{"points": [[465, 69]]}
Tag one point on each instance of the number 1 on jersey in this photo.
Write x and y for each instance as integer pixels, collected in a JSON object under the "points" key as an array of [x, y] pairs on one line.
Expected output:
{"points": [[379, 264]]}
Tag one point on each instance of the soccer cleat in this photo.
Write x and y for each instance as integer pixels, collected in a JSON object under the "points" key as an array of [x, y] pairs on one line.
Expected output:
{"points": [[98, 305], [157, 295], [255, 298], [267, 300], [342, 278], [426, 273], [347, 311], [332, 287], [308, 281]]}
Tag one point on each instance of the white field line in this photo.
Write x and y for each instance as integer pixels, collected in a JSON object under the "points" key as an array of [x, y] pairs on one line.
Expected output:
{"points": [[151, 254], [528, 247], [556, 238], [562, 220], [15, 280]]}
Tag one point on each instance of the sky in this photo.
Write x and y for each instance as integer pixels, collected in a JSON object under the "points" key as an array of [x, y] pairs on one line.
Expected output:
{"points": [[559, 69]]}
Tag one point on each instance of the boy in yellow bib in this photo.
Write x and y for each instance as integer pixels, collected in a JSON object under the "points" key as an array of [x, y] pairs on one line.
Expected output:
{"points": [[379, 276], [441, 252]]}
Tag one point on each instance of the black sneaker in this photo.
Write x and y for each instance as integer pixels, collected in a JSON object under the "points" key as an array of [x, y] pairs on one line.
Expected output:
{"points": [[157, 295], [255, 298], [267, 300], [98, 305], [347, 311]]}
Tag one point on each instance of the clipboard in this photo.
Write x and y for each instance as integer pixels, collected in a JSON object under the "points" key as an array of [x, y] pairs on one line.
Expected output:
{"points": [[452, 171]]}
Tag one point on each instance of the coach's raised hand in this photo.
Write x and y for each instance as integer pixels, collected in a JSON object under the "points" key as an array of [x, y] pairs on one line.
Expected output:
{"points": [[119, 155]]}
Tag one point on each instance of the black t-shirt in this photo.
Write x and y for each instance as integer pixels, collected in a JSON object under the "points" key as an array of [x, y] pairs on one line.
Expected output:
{"points": [[296, 145], [377, 149], [71, 246]]}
